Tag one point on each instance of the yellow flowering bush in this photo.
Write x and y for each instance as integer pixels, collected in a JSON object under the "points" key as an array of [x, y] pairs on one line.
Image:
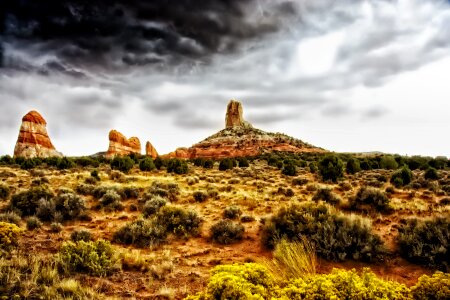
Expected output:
{"points": [[435, 287], [9, 235]]}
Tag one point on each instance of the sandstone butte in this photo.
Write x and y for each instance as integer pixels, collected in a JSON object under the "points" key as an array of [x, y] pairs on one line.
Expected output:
{"points": [[33, 140], [150, 150], [240, 138], [120, 145]]}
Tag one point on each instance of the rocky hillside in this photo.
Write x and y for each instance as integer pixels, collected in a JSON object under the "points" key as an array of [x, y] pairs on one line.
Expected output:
{"points": [[240, 138]]}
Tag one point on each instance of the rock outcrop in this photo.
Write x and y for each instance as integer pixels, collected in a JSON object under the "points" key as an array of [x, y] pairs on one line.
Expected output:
{"points": [[120, 145], [234, 116], [33, 140], [150, 150], [239, 139]]}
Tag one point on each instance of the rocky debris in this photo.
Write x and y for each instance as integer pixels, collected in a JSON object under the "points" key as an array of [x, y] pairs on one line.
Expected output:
{"points": [[240, 139], [33, 140], [150, 150], [120, 145], [234, 116]]}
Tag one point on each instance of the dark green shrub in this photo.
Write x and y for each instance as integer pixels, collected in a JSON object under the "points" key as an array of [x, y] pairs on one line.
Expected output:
{"points": [[69, 205], [436, 287], [226, 164], [388, 162], [243, 162], [368, 197], [352, 166], [331, 168], [334, 235], [177, 166], [30, 163], [153, 205], [199, 162], [200, 196], [327, 195], [208, 164], [142, 233], [426, 242], [122, 163], [227, 232], [299, 181], [81, 235], [10, 217], [27, 202], [111, 200], [416, 162], [431, 174], [94, 258], [159, 163], [4, 191], [33, 223], [87, 161], [401, 177], [95, 175], [129, 192], [289, 169], [6, 160], [56, 227], [165, 190], [179, 221], [65, 163], [146, 164], [312, 167], [232, 212], [439, 163]]}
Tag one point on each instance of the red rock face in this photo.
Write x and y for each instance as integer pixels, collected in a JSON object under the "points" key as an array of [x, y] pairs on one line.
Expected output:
{"points": [[120, 145], [234, 116], [33, 140], [150, 150]]}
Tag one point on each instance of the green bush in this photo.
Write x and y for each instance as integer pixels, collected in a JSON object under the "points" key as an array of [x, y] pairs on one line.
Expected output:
{"points": [[312, 167], [69, 205], [177, 166], [334, 235], [388, 162], [331, 168], [200, 196], [122, 163], [94, 258], [209, 164], [65, 163], [153, 205], [368, 197], [289, 169], [33, 223], [9, 235], [227, 164], [159, 163], [227, 232], [165, 190], [27, 202], [431, 174], [56, 227], [4, 191], [352, 166], [10, 217], [232, 212], [436, 287], [81, 235], [111, 201], [243, 162], [326, 194], [87, 161], [146, 164], [179, 221], [401, 177], [426, 242], [142, 233]]}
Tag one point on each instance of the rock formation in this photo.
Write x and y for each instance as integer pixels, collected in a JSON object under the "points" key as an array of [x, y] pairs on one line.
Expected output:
{"points": [[150, 150], [239, 138], [120, 145], [233, 117], [33, 140]]}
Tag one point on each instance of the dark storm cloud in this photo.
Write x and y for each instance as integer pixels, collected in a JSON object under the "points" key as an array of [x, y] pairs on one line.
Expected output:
{"points": [[114, 34]]}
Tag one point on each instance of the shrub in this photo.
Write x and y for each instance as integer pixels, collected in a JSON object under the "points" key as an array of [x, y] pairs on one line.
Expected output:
{"points": [[200, 196], [4, 191], [227, 232], [69, 205], [334, 235], [111, 200], [81, 235], [208, 164], [10, 217], [56, 227], [9, 235], [352, 166], [388, 162], [312, 167], [436, 287], [226, 164], [95, 258], [426, 242], [232, 212], [142, 233], [431, 174], [33, 223], [326, 194], [243, 162], [27, 202], [122, 163], [179, 221], [369, 197], [165, 190], [299, 181], [65, 163], [177, 166], [401, 177], [289, 169], [245, 282], [146, 164], [345, 284], [159, 163], [331, 168], [153, 205]]}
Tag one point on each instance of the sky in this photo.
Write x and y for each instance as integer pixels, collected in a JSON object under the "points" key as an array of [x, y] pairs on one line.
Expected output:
{"points": [[344, 75]]}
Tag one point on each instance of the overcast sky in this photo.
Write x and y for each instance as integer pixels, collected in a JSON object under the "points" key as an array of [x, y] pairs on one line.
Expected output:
{"points": [[344, 75]]}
